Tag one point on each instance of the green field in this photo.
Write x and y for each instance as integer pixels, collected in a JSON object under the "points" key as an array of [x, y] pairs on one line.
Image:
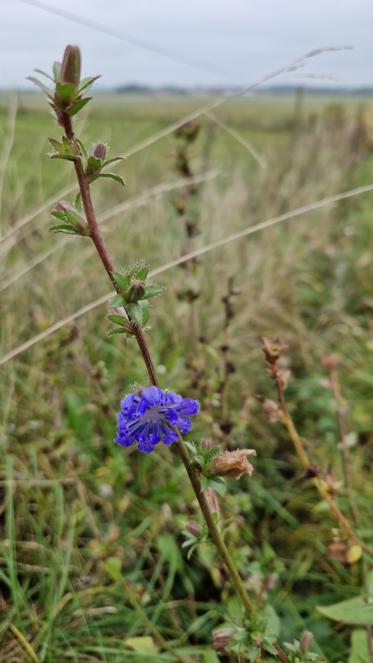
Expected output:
{"points": [[92, 566]]}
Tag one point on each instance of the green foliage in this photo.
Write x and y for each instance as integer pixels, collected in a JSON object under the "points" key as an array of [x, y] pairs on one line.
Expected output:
{"points": [[357, 611], [79, 514], [359, 652]]}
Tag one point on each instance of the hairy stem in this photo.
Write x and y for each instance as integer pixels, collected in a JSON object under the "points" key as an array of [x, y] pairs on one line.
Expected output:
{"points": [[192, 471]]}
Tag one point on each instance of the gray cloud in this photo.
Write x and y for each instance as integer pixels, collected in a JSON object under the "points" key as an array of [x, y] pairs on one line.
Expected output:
{"points": [[240, 39]]}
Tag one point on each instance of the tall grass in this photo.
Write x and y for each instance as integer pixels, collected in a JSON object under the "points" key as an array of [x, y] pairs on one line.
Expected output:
{"points": [[74, 507]]}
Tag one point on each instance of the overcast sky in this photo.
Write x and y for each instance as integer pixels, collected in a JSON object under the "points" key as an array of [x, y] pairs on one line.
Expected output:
{"points": [[210, 42]]}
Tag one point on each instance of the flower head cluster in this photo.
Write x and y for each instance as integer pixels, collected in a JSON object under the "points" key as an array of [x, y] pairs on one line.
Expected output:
{"points": [[153, 415]]}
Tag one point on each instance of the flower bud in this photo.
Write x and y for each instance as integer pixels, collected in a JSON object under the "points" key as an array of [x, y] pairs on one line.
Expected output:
{"points": [[134, 292], [305, 642], [233, 463], [338, 550], [329, 362], [212, 500], [99, 151], [193, 528], [221, 638], [71, 65]]}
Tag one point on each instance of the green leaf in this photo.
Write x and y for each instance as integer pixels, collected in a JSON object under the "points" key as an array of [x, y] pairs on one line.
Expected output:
{"points": [[57, 71], [70, 215], [81, 146], [63, 149], [209, 656], [113, 160], [78, 202], [152, 291], [112, 176], [113, 567], [59, 214], [370, 582], [40, 85], [117, 330], [64, 228], [65, 92], [141, 272], [117, 301], [139, 312], [87, 82], [93, 165], [357, 611], [272, 621], [67, 157], [73, 217], [170, 551], [122, 281], [359, 652], [142, 645], [75, 108], [145, 312], [56, 144], [44, 73], [117, 319], [218, 484]]}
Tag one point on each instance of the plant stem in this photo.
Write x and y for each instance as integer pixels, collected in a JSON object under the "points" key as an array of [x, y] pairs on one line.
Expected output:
{"points": [[336, 389], [98, 241], [192, 471], [214, 531], [306, 462]]}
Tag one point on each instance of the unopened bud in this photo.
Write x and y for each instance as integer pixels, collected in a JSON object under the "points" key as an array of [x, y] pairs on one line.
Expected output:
{"points": [[212, 500], [333, 485], [221, 638], [329, 362], [233, 463], [71, 65], [193, 528], [134, 292], [306, 641], [99, 151], [338, 550]]}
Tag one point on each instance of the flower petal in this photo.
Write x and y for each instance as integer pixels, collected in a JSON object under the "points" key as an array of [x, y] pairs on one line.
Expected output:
{"points": [[189, 407]]}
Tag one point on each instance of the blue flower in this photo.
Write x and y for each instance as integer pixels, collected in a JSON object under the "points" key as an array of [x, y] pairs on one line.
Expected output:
{"points": [[151, 416]]}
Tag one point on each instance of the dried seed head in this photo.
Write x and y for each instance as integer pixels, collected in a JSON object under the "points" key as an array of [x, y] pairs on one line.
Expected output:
{"points": [[283, 377], [71, 65], [273, 348], [221, 638], [233, 463], [272, 410]]}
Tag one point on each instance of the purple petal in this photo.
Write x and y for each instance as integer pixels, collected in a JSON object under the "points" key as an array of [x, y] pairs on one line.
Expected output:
{"points": [[169, 436], [172, 399], [188, 407], [184, 425]]}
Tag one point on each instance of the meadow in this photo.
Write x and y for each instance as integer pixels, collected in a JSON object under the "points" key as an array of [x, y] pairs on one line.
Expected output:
{"points": [[92, 563]]}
